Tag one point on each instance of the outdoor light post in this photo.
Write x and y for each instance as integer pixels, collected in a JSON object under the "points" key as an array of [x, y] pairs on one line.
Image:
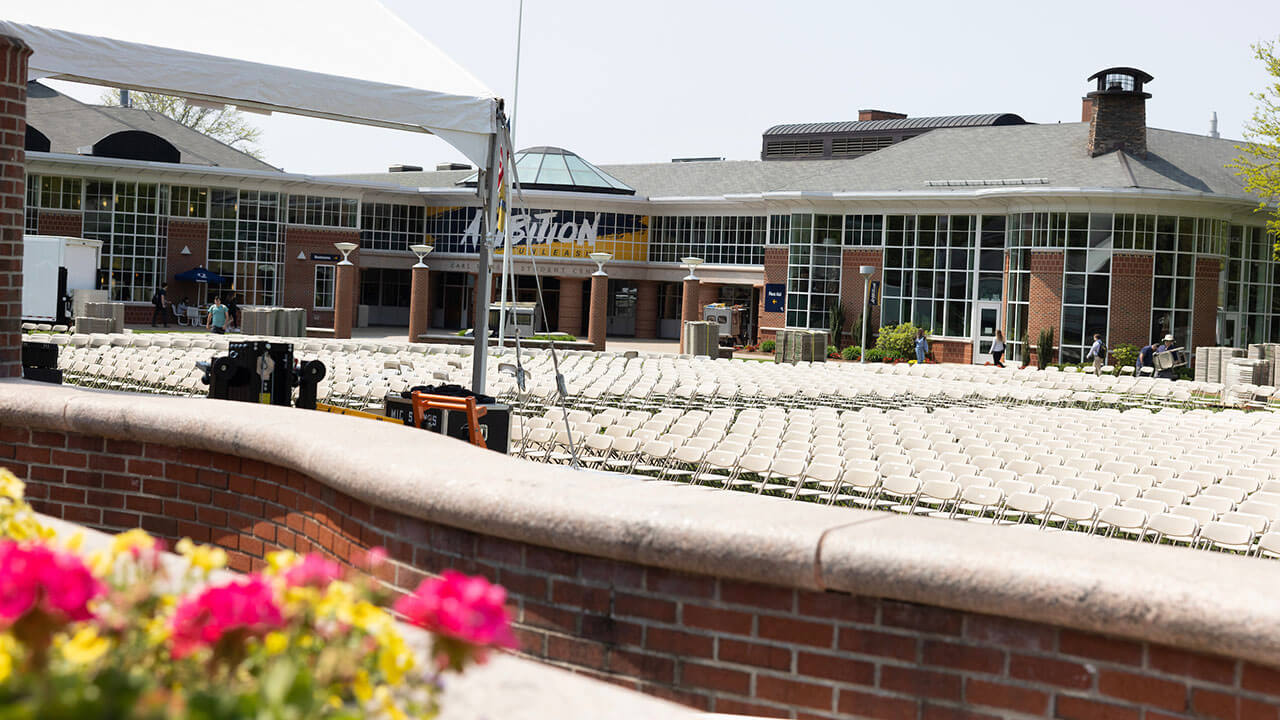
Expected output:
{"points": [[419, 294], [689, 301], [597, 312], [866, 271], [344, 298]]}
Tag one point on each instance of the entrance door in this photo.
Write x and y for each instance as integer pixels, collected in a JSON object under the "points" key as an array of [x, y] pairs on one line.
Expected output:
{"points": [[621, 319], [988, 321]]}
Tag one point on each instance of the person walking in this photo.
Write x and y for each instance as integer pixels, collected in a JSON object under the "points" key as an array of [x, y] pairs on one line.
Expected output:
{"points": [[922, 347], [233, 311], [218, 316], [1098, 352], [159, 302], [997, 349]]}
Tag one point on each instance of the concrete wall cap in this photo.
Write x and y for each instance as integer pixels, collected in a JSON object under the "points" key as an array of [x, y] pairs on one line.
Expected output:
{"points": [[1201, 601]]}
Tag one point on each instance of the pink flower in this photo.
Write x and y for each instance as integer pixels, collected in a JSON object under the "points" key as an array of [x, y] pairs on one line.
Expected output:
{"points": [[314, 570], [34, 576], [375, 557], [470, 609], [245, 606]]}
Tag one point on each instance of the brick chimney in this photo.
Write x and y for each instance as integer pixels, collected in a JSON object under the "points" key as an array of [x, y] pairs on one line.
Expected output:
{"points": [[864, 115], [1117, 112]]}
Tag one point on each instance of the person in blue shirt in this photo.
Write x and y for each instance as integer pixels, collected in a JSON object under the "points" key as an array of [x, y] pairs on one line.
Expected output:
{"points": [[922, 346], [1098, 353], [218, 315], [1146, 358]]}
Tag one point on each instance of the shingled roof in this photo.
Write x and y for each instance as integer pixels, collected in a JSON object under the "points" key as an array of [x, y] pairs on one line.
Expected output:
{"points": [[70, 125], [909, 123]]}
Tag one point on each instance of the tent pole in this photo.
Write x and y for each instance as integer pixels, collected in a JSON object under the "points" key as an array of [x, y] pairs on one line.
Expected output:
{"points": [[488, 231]]}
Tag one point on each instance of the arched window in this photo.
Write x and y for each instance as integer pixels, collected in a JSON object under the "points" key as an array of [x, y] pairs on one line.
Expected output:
{"points": [[36, 140], [137, 145]]}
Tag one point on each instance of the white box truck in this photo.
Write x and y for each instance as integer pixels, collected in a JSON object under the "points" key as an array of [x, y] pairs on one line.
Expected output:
{"points": [[52, 268]]}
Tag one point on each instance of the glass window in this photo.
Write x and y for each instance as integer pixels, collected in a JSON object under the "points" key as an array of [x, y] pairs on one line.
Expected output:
{"points": [[130, 220], [324, 283]]}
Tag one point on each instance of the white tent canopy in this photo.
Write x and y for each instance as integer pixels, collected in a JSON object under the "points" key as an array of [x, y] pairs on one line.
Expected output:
{"points": [[348, 60]]}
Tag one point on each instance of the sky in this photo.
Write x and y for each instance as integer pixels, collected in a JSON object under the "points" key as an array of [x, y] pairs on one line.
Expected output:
{"points": [[627, 82]]}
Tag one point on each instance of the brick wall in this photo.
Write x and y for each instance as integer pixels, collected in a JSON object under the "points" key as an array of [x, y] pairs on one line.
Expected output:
{"points": [[646, 308], [775, 271], [1045, 295], [193, 235], [711, 643], [65, 224], [1130, 315], [952, 351], [571, 311], [1118, 122], [851, 282], [13, 178], [1204, 317], [300, 275]]}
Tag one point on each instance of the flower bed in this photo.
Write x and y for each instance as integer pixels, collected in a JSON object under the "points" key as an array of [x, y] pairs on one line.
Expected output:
{"points": [[114, 633]]}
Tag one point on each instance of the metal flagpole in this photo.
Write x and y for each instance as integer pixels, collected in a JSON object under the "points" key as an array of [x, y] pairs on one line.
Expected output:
{"points": [[507, 269], [488, 235]]}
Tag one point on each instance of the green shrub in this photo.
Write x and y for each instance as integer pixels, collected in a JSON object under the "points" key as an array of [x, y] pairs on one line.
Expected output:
{"points": [[1044, 348], [767, 346], [897, 342], [875, 355], [853, 352], [1026, 349], [558, 337], [1124, 355], [835, 322], [833, 351]]}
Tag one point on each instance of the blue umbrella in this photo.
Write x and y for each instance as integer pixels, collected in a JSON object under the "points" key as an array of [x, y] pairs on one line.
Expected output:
{"points": [[201, 274]]}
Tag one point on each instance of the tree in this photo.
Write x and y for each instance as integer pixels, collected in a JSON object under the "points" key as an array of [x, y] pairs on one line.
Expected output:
{"points": [[1259, 164], [222, 123]]}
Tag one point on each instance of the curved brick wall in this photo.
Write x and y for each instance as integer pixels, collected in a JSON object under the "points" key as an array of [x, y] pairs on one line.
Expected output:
{"points": [[641, 584]]}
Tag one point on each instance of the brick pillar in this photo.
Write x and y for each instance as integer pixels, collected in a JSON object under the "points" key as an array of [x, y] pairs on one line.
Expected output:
{"points": [[851, 289], [419, 301], [597, 314], [1045, 296], [1204, 313], [775, 271], [1130, 312], [689, 305], [344, 294], [570, 306], [646, 308], [13, 133]]}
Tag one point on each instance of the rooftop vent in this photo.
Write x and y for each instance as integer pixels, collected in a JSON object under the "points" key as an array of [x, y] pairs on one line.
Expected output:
{"points": [[697, 159], [405, 168], [452, 166]]}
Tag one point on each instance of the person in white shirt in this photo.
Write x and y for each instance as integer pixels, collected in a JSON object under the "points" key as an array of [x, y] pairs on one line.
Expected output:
{"points": [[1099, 354], [997, 349]]}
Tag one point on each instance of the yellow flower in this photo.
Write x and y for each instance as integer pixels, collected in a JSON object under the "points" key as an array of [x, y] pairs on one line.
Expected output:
{"points": [[132, 541], [369, 617], [85, 647], [388, 704], [361, 686], [394, 658], [338, 601], [202, 557], [100, 563], [7, 648], [10, 486], [75, 541], [281, 560], [335, 702], [157, 631], [275, 643]]}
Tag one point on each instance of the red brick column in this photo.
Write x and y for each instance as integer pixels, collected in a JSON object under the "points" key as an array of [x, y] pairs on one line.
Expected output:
{"points": [[13, 188], [1204, 314], [419, 301], [689, 305], [1045, 295], [344, 300], [1130, 312], [597, 314], [570, 306], [851, 283], [646, 308], [775, 271]]}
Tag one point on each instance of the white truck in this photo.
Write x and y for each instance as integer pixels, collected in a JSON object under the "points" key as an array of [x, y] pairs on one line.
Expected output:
{"points": [[53, 268]]}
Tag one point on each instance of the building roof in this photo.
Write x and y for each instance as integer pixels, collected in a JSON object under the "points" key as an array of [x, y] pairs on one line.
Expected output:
{"points": [[552, 168], [943, 160], [909, 123], [70, 125]]}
